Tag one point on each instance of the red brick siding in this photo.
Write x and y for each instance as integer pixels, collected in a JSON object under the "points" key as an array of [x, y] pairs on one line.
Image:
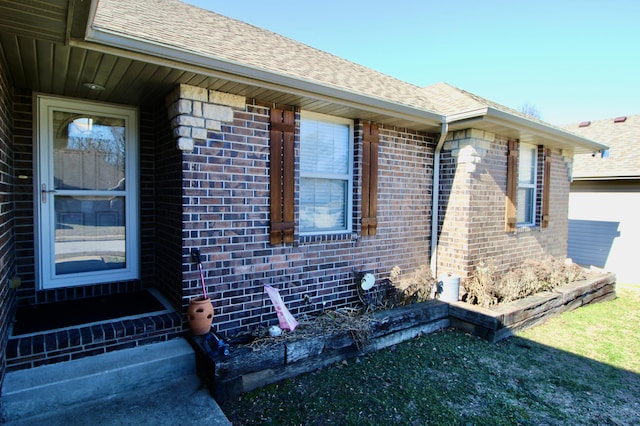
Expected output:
{"points": [[23, 163], [473, 215], [167, 181], [216, 198], [226, 215], [453, 212], [7, 238], [49, 347]]}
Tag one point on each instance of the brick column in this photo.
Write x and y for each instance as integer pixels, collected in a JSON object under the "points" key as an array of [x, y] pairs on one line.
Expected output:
{"points": [[467, 207], [194, 111]]}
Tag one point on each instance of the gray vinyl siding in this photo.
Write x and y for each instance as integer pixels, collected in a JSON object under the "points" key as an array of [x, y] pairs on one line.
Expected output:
{"points": [[604, 227], [590, 241]]}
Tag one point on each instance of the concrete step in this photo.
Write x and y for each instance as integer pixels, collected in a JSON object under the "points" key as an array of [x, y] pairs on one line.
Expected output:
{"points": [[57, 387], [179, 402]]}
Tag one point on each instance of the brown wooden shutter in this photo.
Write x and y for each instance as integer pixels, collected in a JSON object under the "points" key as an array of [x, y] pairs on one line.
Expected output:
{"points": [[369, 179], [546, 186], [282, 134], [511, 213]]}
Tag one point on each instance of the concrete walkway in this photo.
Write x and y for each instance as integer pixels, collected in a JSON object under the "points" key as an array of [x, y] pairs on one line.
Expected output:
{"points": [[154, 384], [180, 402]]}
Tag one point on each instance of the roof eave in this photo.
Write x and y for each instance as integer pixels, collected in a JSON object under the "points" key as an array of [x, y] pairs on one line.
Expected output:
{"points": [[170, 56], [581, 144], [554, 136]]}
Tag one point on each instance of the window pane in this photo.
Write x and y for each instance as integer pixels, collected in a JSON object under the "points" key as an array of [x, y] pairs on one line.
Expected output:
{"points": [[525, 205], [527, 165], [90, 234], [324, 147], [89, 152], [322, 204]]}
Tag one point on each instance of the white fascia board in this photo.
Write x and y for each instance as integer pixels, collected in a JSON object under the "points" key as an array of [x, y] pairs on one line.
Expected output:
{"points": [[546, 131], [495, 116], [135, 48]]}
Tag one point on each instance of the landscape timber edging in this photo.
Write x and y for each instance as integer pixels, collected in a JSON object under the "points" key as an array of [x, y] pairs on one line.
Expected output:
{"points": [[244, 371], [502, 321]]}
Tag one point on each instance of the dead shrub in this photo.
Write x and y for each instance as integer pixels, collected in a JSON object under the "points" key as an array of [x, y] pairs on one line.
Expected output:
{"points": [[414, 287], [480, 287], [488, 287]]}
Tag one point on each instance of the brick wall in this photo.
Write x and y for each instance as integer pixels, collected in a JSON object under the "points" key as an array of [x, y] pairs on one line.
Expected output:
{"points": [[472, 210], [205, 183], [23, 163], [168, 212], [226, 215], [7, 240]]}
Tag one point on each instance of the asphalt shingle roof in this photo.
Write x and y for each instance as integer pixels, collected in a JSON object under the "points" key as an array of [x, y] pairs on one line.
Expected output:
{"points": [[186, 28], [448, 100], [623, 139], [189, 28]]}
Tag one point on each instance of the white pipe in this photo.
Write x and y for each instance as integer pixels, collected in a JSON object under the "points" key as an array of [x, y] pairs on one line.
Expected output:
{"points": [[435, 192]]}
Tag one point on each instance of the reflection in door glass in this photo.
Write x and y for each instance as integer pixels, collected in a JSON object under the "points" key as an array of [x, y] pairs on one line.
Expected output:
{"points": [[89, 182], [90, 234], [89, 152]]}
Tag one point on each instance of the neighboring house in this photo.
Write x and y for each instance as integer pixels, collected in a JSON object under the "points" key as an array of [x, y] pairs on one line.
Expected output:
{"points": [[134, 131], [604, 204]]}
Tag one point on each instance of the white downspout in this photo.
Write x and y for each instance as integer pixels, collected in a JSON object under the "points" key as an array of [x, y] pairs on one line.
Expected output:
{"points": [[435, 196]]}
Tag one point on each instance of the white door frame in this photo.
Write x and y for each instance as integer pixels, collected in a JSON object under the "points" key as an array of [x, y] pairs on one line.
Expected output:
{"points": [[44, 211]]}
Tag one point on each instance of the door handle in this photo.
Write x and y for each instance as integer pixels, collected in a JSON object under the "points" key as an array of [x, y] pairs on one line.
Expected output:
{"points": [[46, 191]]}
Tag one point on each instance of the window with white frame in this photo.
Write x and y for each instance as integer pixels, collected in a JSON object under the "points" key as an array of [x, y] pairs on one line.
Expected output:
{"points": [[527, 178], [326, 174]]}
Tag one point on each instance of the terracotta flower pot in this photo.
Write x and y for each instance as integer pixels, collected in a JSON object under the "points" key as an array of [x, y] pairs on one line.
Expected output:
{"points": [[200, 315]]}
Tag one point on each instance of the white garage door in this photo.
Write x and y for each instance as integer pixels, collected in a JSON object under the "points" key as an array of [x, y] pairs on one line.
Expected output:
{"points": [[604, 231]]}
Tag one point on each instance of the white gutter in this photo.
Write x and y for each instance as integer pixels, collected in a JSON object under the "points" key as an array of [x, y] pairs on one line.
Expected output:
{"points": [[435, 195], [545, 130], [111, 42], [495, 117], [238, 73]]}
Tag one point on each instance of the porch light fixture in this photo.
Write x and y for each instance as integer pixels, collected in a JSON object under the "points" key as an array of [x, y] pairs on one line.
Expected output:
{"points": [[93, 86]]}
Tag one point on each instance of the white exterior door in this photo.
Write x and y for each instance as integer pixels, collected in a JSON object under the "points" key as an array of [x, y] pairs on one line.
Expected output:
{"points": [[87, 193]]}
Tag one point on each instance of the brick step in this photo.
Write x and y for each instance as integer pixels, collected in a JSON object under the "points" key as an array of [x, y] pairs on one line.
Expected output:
{"points": [[61, 345]]}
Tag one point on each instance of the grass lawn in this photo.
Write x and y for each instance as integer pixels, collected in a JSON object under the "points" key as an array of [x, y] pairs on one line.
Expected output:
{"points": [[582, 368]]}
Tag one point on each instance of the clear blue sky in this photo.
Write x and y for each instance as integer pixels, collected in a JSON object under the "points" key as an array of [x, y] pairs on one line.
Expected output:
{"points": [[573, 60]]}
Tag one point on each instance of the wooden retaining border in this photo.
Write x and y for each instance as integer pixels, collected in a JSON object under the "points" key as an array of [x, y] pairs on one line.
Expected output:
{"points": [[504, 320], [245, 370]]}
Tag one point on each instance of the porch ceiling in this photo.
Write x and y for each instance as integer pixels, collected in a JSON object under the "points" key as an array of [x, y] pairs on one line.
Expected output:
{"points": [[38, 19], [43, 45]]}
